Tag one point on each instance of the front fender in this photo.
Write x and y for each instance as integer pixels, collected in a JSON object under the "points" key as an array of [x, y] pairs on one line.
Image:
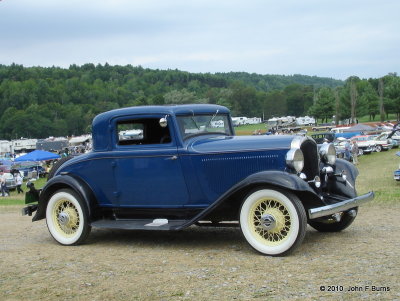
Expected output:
{"points": [[61, 182], [278, 178], [344, 187]]}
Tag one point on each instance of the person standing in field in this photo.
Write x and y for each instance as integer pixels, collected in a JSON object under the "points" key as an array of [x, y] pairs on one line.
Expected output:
{"points": [[354, 152], [18, 182]]}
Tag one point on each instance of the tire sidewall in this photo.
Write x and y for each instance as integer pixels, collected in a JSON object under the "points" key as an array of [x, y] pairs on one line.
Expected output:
{"points": [[297, 223], [74, 199]]}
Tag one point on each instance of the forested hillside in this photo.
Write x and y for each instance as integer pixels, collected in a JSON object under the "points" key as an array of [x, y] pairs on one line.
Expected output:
{"points": [[39, 102]]}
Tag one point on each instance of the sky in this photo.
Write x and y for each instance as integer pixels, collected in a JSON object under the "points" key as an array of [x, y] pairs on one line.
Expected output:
{"points": [[336, 39]]}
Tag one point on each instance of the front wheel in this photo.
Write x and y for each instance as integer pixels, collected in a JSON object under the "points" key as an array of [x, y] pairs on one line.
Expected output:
{"points": [[273, 222], [67, 218], [378, 148]]}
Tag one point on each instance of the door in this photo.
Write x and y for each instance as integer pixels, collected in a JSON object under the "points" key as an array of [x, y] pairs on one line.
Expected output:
{"points": [[147, 167]]}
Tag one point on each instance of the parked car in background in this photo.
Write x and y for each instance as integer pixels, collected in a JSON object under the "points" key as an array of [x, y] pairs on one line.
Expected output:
{"points": [[395, 135], [39, 170], [390, 138], [320, 137], [10, 181], [381, 142], [365, 145], [339, 147], [397, 172], [184, 171]]}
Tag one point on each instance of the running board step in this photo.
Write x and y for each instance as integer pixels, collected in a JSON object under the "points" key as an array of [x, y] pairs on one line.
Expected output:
{"points": [[139, 224]]}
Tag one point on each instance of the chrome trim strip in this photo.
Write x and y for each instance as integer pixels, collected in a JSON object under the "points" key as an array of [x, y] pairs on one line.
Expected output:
{"points": [[339, 207]]}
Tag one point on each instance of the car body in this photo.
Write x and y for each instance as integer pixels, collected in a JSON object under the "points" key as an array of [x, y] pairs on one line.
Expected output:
{"points": [[364, 143], [179, 170]]}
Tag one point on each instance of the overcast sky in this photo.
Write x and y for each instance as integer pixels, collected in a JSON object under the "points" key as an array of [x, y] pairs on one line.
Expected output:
{"points": [[312, 37]]}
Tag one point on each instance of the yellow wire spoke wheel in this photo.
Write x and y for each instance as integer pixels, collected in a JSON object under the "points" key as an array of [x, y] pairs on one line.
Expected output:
{"points": [[273, 222], [270, 221], [66, 218]]}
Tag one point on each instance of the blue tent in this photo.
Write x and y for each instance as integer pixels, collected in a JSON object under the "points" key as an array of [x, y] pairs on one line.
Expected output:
{"points": [[37, 155]]}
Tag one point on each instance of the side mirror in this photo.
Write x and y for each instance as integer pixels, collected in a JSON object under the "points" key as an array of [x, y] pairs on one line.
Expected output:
{"points": [[163, 122]]}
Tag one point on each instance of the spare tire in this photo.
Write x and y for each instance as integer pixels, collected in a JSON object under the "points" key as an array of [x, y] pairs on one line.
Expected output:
{"points": [[57, 166]]}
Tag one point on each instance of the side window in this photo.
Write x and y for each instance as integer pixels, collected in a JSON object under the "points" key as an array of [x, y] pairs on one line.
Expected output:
{"points": [[142, 131]]}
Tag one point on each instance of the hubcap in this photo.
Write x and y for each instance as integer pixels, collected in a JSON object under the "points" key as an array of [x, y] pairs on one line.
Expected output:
{"points": [[63, 218], [268, 222]]}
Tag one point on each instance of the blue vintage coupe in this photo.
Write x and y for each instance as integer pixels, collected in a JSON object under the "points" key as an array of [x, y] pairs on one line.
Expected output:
{"points": [[170, 167]]}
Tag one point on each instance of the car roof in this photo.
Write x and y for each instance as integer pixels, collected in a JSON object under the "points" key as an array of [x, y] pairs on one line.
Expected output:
{"points": [[101, 123]]}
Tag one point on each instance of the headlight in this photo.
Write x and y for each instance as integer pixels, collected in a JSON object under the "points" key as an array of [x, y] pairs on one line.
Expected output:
{"points": [[328, 153], [295, 159]]}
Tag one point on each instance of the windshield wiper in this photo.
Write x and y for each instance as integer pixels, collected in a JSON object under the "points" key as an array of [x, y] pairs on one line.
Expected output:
{"points": [[212, 118]]}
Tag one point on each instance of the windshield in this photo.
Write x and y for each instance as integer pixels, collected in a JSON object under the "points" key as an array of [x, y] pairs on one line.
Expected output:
{"points": [[193, 125]]}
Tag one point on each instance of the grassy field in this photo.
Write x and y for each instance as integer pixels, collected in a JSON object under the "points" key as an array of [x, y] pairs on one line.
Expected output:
{"points": [[376, 173]]}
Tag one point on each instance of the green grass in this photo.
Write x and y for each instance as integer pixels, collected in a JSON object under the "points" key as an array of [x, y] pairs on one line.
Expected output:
{"points": [[19, 199], [248, 129], [376, 173]]}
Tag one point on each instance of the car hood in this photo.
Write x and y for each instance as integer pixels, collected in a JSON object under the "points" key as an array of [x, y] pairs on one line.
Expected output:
{"points": [[222, 144]]}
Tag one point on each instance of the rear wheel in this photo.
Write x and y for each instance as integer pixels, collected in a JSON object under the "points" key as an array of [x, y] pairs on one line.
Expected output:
{"points": [[273, 222], [67, 218], [378, 148]]}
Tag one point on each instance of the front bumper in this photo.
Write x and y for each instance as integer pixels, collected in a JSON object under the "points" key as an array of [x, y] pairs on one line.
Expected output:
{"points": [[340, 206]]}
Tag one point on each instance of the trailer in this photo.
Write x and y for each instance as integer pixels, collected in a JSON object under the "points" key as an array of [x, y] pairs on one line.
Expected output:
{"points": [[281, 122], [23, 145], [239, 121], [5, 147], [304, 121]]}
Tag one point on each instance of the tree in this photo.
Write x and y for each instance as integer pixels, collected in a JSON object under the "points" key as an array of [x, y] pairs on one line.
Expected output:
{"points": [[381, 104], [392, 90], [324, 106], [353, 100]]}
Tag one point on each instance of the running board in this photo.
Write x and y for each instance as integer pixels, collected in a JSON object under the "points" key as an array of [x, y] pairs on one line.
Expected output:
{"points": [[139, 224]]}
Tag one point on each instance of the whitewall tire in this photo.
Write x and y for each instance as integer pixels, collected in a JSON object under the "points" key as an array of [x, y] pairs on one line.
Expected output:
{"points": [[273, 222], [67, 218]]}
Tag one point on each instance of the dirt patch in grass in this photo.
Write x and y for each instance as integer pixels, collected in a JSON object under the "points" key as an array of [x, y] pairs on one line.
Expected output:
{"points": [[200, 263]]}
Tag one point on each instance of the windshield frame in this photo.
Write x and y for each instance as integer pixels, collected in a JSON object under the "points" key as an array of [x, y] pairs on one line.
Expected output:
{"points": [[202, 122]]}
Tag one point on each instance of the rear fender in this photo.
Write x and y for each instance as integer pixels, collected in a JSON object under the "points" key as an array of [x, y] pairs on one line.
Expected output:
{"points": [[61, 182]]}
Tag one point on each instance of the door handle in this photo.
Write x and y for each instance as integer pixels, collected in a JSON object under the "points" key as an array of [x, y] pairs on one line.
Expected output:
{"points": [[172, 158]]}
